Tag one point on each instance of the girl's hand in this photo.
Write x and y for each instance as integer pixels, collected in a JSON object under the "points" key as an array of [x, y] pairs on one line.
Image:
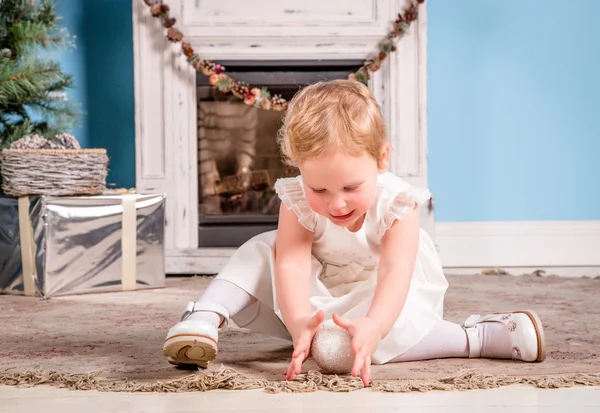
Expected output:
{"points": [[305, 331], [366, 336]]}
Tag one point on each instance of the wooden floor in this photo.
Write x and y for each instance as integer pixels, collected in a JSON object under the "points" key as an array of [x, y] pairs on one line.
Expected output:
{"points": [[513, 399]]}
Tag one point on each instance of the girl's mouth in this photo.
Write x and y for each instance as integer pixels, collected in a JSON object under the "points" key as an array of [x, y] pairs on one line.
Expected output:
{"points": [[342, 217]]}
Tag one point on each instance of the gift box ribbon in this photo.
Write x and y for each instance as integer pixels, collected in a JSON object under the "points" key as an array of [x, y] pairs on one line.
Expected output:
{"points": [[27, 246], [128, 242]]}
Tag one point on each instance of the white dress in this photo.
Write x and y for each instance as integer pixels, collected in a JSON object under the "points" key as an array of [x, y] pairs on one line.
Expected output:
{"points": [[344, 268]]}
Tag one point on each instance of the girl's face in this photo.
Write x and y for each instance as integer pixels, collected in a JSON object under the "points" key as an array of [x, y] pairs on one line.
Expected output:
{"points": [[342, 187]]}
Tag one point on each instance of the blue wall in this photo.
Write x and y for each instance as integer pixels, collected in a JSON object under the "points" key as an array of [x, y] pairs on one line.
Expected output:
{"points": [[514, 99], [512, 96], [102, 67]]}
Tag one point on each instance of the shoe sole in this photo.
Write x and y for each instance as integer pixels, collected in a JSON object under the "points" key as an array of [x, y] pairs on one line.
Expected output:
{"points": [[539, 330], [187, 349]]}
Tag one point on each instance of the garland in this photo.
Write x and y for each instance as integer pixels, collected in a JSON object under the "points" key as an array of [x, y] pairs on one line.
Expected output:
{"points": [[263, 98]]}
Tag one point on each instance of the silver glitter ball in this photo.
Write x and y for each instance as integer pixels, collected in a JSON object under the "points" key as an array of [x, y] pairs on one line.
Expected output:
{"points": [[331, 349]]}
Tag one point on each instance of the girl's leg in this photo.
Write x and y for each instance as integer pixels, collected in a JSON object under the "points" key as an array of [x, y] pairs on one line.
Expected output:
{"points": [[243, 285], [221, 293], [445, 340], [518, 336], [194, 339]]}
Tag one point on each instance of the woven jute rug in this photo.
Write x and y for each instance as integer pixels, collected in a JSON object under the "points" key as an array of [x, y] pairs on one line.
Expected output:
{"points": [[112, 342]]}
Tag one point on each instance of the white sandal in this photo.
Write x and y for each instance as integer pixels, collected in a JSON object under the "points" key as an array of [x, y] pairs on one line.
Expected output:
{"points": [[194, 342], [526, 334]]}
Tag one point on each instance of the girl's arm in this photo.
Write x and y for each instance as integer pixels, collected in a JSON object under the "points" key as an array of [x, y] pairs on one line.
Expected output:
{"points": [[292, 273], [399, 247], [292, 268]]}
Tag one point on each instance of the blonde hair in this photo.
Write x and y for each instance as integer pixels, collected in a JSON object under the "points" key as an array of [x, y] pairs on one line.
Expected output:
{"points": [[338, 114]]}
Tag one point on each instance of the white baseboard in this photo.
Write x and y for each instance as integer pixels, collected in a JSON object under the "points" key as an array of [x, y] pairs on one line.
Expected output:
{"points": [[541, 271], [522, 245], [563, 248]]}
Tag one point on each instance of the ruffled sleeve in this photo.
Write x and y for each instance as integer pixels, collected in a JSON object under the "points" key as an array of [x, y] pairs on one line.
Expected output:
{"points": [[291, 193], [396, 199]]}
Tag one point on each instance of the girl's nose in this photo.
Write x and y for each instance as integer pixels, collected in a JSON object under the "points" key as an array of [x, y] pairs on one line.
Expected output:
{"points": [[337, 203]]}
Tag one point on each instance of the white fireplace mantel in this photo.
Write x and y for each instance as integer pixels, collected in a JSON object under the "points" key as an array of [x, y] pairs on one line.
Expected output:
{"points": [[165, 92]]}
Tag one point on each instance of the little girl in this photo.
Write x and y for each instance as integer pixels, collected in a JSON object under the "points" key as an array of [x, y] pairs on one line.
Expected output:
{"points": [[349, 248]]}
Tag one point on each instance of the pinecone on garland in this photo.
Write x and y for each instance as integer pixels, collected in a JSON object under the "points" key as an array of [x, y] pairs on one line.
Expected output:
{"points": [[169, 22], [239, 90], [411, 13], [207, 67], [187, 49], [375, 64], [174, 35], [278, 103], [156, 9], [200, 65]]}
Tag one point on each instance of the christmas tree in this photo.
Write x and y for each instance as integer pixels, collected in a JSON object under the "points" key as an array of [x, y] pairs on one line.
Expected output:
{"points": [[33, 99]]}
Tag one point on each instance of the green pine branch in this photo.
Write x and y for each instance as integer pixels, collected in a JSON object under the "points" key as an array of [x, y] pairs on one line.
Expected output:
{"points": [[32, 87], [15, 10], [20, 81]]}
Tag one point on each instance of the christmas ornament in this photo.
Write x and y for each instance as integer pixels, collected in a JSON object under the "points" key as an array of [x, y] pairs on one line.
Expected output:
{"points": [[331, 348]]}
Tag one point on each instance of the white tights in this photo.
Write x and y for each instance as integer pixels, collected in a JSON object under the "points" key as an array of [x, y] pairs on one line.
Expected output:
{"points": [[446, 339], [225, 293], [449, 340]]}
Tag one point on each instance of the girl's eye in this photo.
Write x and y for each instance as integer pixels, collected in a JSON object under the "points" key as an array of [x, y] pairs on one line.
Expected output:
{"points": [[350, 188], [318, 191]]}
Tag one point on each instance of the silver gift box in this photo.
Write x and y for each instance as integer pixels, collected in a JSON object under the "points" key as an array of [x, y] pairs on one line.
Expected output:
{"points": [[55, 246]]}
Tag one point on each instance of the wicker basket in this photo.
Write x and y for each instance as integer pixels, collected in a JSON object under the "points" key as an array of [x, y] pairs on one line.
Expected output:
{"points": [[53, 171]]}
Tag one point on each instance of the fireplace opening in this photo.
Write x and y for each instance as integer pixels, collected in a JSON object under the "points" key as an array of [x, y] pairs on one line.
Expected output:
{"points": [[238, 157]]}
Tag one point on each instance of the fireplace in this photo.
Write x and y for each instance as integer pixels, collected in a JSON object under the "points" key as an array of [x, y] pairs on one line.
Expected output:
{"points": [[238, 156], [266, 43]]}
